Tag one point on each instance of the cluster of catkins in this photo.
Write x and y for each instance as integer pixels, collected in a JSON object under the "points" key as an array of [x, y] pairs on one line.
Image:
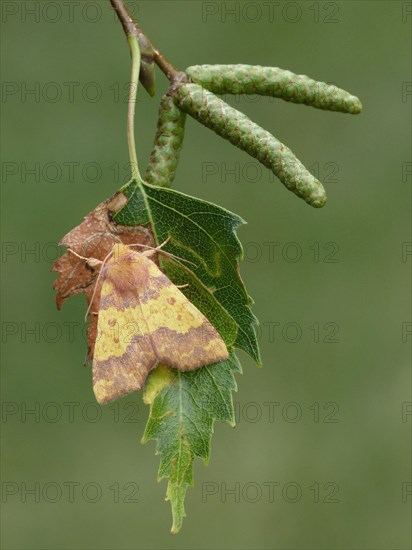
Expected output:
{"points": [[196, 95]]}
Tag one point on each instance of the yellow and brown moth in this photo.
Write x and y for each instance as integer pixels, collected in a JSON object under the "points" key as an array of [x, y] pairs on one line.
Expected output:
{"points": [[143, 320]]}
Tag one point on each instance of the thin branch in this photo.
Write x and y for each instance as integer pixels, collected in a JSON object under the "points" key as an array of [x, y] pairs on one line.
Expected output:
{"points": [[131, 28], [169, 70]]}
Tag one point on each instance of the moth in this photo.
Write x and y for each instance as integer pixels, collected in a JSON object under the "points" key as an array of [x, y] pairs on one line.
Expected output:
{"points": [[143, 320]]}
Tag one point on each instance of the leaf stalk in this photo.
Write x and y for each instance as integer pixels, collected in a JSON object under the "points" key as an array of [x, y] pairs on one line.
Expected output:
{"points": [[134, 84]]}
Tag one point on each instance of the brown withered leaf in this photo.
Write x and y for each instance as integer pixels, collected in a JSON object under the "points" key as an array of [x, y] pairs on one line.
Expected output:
{"points": [[93, 238]]}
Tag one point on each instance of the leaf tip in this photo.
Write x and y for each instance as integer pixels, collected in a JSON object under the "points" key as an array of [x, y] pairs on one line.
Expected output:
{"points": [[176, 496]]}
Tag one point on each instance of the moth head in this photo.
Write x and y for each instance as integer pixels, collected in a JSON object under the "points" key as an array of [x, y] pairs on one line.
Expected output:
{"points": [[126, 268], [122, 254]]}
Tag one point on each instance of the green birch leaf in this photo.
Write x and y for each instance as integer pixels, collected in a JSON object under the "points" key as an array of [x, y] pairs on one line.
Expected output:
{"points": [[184, 405], [274, 82], [183, 408], [203, 234]]}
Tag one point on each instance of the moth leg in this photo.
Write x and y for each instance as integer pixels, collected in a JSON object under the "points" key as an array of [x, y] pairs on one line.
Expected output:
{"points": [[91, 261], [157, 249]]}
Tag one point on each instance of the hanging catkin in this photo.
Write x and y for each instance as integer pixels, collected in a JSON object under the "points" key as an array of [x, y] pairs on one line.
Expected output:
{"points": [[167, 144], [248, 136], [275, 82]]}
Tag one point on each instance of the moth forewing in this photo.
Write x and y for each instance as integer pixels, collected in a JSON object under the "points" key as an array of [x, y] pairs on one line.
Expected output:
{"points": [[144, 319]]}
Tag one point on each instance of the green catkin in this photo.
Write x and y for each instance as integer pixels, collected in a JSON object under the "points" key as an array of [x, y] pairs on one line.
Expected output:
{"points": [[236, 127], [167, 144], [275, 82]]}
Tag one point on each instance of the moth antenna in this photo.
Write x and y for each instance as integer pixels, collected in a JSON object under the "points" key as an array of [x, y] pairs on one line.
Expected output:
{"points": [[90, 261], [177, 257], [152, 247], [183, 267], [159, 247]]}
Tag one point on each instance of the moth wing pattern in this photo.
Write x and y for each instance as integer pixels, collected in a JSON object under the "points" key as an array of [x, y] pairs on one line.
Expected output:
{"points": [[144, 319], [123, 353], [182, 336]]}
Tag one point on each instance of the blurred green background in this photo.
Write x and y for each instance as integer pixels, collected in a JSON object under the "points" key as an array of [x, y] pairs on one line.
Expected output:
{"points": [[320, 457]]}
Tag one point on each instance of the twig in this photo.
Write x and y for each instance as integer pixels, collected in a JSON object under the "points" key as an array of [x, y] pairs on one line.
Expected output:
{"points": [[131, 28]]}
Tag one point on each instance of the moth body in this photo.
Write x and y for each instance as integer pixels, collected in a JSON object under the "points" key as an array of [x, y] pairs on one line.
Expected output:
{"points": [[144, 320]]}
